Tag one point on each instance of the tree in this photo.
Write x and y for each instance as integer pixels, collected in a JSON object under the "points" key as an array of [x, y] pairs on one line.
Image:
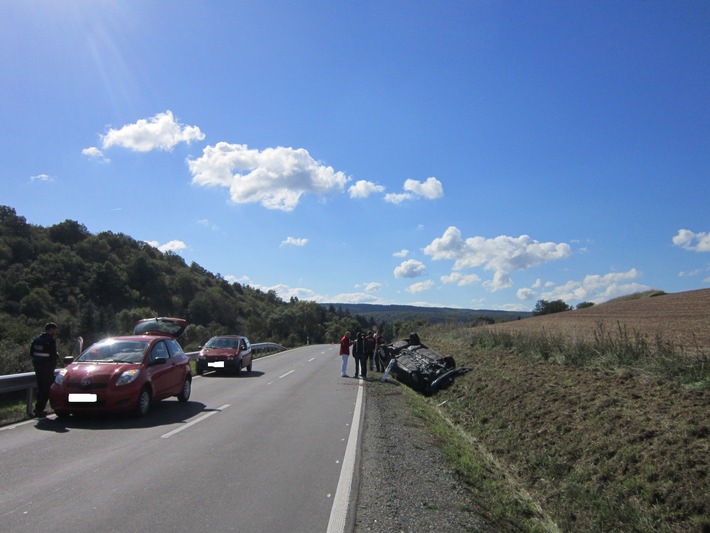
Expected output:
{"points": [[543, 307]]}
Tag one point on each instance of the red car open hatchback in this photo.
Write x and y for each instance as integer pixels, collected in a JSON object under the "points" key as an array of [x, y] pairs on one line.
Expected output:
{"points": [[124, 374]]}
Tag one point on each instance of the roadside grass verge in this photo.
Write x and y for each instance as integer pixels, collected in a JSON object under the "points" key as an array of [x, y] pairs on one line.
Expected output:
{"points": [[503, 499], [13, 407], [611, 435]]}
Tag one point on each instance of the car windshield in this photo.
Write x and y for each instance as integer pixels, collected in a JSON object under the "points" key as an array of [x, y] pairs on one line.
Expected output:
{"points": [[115, 351], [217, 342]]}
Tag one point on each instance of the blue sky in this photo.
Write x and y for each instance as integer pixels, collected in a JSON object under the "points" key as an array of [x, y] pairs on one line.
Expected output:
{"points": [[474, 154]]}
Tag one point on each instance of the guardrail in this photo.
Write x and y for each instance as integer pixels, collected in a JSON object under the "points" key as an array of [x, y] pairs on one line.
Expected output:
{"points": [[16, 382], [27, 380]]}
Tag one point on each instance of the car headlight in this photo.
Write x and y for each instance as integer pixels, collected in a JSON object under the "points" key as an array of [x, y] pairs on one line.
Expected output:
{"points": [[129, 376], [59, 376]]}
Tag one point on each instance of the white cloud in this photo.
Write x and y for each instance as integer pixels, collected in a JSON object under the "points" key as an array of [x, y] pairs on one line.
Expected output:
{"points": [[207, 224], [421, 286], [276, 177], [161, 132], [411, 268], [373, 286], [397, 198], [502, 254], [402, 253], [293, 241], [690, 274], [688, 240], [595, 288], [501, 280], [461, 279], [430, 189], [94, 153], [352, 298], [42, 177], [171, 246], [363, 189], [526, 294]]}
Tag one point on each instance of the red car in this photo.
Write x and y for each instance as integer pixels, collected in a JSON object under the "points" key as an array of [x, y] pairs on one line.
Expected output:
{"points": [[225, 353], [125, 374]]}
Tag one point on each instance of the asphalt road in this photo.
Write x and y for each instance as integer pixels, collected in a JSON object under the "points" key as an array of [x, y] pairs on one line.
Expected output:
{"points": [[258, 453]]}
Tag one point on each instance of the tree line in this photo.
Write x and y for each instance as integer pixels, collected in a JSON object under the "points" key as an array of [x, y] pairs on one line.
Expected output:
{"points": [[101, 285]]}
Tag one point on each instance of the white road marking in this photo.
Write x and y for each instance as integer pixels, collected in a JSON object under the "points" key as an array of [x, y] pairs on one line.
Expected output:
{"points": [[286, 374], [13, 426], [193, 422], [339, 511]]}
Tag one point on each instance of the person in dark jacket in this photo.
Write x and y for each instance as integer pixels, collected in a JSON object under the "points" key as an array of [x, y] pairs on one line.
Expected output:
{"points": [[370, 350], [360, 356], [44, 359]]}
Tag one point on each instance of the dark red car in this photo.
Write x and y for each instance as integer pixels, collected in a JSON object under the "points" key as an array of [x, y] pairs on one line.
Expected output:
{"points": [[228, 353], [125, 374]]}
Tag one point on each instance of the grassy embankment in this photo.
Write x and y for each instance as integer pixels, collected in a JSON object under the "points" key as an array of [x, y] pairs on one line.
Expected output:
{"points": [[557, 434]]}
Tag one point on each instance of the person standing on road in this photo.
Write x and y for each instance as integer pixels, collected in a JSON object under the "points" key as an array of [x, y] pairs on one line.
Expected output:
{"points": [[360, 356], [345, 344], [370, 350], [43, 352], [379, 343]]}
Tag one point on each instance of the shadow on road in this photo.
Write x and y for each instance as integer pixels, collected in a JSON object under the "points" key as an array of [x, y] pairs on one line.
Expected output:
{"points": [[162, 413], [243, 375]]}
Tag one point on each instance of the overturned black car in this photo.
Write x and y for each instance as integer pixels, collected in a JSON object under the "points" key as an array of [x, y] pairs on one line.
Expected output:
{"points": [[417, 366]]}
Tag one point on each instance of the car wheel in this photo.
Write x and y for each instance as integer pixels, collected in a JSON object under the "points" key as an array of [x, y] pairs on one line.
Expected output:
{"points": [[238, 369], [199, 371], [249, 365], [186, 389], [143, 405]]}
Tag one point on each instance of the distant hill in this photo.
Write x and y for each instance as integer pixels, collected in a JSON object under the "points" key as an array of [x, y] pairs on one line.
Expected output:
{"points": [[433, 315]]}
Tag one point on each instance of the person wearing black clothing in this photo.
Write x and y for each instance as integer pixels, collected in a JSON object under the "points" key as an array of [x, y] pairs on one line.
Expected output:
{"points": [[44, 359], [360, 356]]}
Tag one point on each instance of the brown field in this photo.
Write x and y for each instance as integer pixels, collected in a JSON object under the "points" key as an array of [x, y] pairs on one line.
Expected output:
{"points": [[597, 448], [682, 318]]}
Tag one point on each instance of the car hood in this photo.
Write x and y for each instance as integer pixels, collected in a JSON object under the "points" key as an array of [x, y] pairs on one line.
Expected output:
{"points": [[96, 372]]}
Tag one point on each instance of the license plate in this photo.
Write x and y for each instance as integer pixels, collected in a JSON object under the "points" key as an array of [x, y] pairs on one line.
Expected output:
{"points": [[78, 397], [217, 364]]}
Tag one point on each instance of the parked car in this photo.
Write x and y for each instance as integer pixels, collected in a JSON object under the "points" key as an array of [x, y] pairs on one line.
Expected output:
{"points": [[125, 374], [229, 353]]}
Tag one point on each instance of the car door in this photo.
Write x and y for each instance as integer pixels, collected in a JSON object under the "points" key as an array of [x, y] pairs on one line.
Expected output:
{"points": [[245, 351], [162, 375]]}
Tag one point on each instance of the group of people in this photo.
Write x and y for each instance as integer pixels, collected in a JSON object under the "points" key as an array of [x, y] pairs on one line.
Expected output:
{"points": [[365, 351]]}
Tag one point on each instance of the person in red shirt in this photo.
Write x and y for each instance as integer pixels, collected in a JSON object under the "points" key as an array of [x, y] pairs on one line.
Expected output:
{"points": [[345, 344]]}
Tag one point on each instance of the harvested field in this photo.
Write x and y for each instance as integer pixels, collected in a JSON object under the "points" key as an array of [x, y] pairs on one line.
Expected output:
{"points": [[681, 318]]}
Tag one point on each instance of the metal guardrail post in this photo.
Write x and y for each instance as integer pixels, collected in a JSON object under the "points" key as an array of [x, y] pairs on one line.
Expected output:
{"points": [[30, 400]]}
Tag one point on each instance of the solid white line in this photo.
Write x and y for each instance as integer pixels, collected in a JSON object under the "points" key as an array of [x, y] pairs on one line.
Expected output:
{"points": [[286, 374], [18, 424], [339, 511], [193, 422]]}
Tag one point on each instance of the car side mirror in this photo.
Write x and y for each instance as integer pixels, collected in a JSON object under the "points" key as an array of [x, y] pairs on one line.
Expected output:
{"points": [[67, 360], [160, 360]]}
